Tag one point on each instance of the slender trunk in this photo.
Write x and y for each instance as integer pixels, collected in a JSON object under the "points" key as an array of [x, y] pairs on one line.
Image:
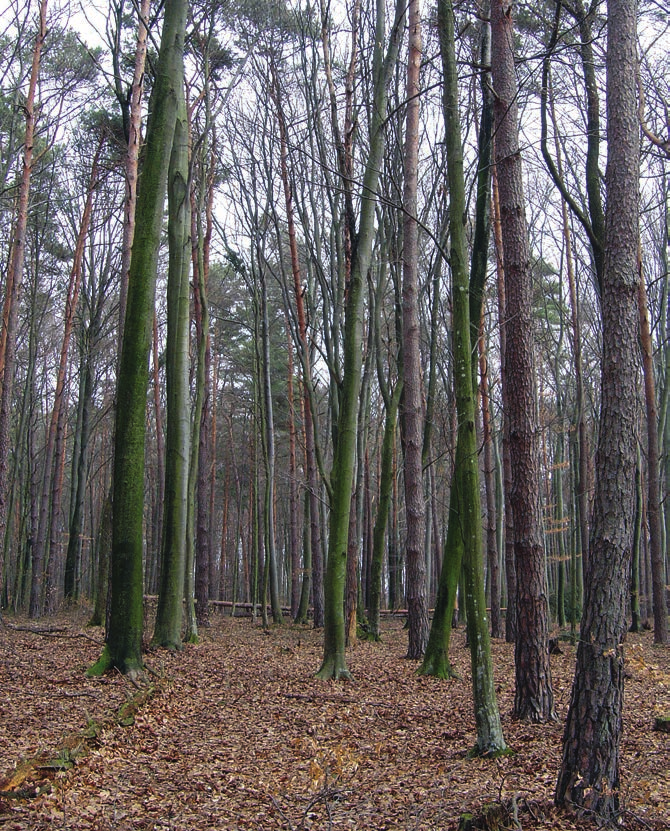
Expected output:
{"points": [[660, 606], [334, 661], [465, 527], [489, 480], [14, 279], [508, 539], [39, 550], [411, 415]]}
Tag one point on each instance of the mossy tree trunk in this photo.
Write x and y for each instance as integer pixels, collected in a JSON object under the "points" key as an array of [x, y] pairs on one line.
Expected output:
{"points": [[334, 661], [169, 614], [465, 525], [436, 661], [123, 648]]}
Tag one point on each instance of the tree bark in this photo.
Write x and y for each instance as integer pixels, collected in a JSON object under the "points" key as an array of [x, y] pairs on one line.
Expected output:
{"points": [[13, 282], [534, 697], [589, 777], [123, 648], [169, 613], [411, 407]]}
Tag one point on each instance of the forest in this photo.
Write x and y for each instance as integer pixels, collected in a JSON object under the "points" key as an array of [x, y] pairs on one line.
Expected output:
{"points": [[334, 386]]}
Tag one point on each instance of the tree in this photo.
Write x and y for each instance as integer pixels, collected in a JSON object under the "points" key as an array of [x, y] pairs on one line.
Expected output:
{"points": [[15, 277], [334, 661], [465, 508], [411, 411], [589, 773], [534, 697], [124, 639], [169, 613]]}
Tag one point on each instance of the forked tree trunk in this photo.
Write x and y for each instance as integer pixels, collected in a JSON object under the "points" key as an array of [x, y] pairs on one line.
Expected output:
{"points": [[334, 661], [465, 525], [589, 777]]}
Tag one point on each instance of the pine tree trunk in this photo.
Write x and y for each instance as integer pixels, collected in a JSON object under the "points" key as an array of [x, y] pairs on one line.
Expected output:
{"points": [[534, 697], [39, 551], [13, 282], [589, 777]]}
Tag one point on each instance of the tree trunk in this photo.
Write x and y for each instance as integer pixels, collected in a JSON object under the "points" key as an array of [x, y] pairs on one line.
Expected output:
{"points": [[534, 699], [36, 589], [169, 613], [589, 777], [508, 536], [334, 661], [14, 279], [660, 606], [411, 412], [465, 507], [124, 637]]}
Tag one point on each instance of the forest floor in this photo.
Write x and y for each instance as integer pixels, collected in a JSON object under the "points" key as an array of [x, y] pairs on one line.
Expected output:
{"points": [[238, 734]]}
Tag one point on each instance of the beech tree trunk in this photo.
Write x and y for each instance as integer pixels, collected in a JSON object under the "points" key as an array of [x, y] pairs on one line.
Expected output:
{"points": [[123, 648], [169, 613], [334, 660]]}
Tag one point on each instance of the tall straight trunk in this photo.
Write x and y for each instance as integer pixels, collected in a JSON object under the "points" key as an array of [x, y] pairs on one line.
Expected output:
{"points": [[508, 535], [14, 279], [74, 285], [589, 777], [71, 582], [124, 637], [294, 501], [334, 660], [386, 480], [54, 564], [200, 467], [636, 620], [411, 412], [490, 487], [465, 526], [660, 606], [133, 119], [534, 698], [436, 661], [169, 613], [313, 576], [270, 456], [154, 550]]}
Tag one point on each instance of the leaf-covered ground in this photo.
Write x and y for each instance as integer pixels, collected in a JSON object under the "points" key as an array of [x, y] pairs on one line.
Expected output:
{"points": [[240, 735]]}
